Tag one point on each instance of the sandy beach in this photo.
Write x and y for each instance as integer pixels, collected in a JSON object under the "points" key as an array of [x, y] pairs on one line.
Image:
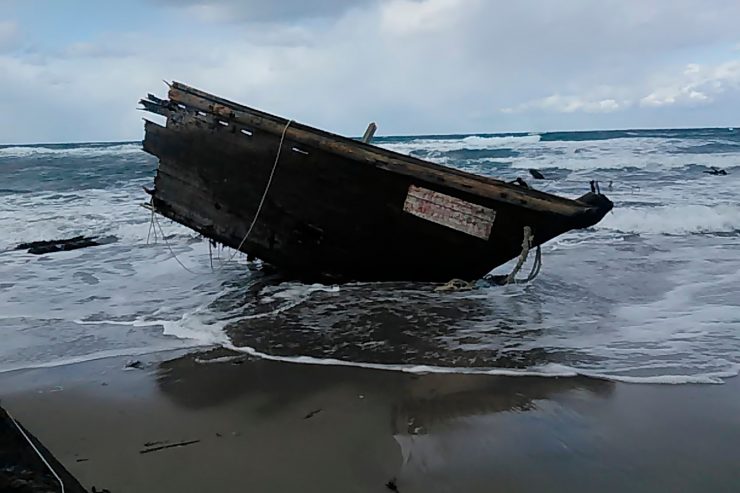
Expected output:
{"points": [[215, 421]]}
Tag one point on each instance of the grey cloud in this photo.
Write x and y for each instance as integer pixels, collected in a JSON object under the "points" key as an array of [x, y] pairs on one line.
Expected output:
{"points": [[9, 35], [416, 66], [262, 10]]}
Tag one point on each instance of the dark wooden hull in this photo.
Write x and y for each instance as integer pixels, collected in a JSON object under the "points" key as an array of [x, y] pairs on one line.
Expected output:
{"points": [[338, 208]]}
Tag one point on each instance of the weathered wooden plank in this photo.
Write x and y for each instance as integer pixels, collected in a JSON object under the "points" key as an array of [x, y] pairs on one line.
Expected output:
{"points": [[369, 133], [383, 158], [155, 107], [359, 229], [451, 212]]}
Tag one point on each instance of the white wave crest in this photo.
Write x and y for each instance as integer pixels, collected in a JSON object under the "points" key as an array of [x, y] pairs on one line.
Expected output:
{"points": [[529, 151], [676, 220], [81, 151], [473, 142]]}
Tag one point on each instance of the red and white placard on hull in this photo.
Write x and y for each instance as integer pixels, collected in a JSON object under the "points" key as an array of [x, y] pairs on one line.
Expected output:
{"points": [[449, 211]]}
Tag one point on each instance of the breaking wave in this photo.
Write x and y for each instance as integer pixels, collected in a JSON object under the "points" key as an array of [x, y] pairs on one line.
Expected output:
{"points": [[534, 151], [674, 220], [83, 150], [473, 142], [48, 215]]}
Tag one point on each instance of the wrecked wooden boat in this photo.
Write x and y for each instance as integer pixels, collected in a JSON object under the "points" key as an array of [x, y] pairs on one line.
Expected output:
{"points": [[321, 206]]}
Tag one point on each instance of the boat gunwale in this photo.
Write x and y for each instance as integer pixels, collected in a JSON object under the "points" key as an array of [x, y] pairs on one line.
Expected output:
{"points": [[384, 156]]}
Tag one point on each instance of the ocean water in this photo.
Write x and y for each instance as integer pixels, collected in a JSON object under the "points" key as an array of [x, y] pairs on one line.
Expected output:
{"points": [[651, 294]]}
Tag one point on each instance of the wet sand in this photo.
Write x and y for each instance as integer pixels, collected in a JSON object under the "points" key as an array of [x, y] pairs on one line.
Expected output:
{"points": [[256, 425]]}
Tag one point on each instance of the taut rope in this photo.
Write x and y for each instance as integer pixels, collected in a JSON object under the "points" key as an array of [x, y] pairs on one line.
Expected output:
{"points": [[251, 226], [264, 194]]}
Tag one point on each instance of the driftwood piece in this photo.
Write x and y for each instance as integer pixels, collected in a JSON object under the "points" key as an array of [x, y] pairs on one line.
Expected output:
{"points": [[50, 246], [169, 445]]}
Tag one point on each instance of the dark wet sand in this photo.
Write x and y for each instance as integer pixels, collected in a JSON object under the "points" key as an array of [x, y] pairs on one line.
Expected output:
{"points": [[268, 426]]}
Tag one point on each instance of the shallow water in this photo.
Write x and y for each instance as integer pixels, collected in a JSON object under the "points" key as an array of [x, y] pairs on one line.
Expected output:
{"points": [[651, 294]]}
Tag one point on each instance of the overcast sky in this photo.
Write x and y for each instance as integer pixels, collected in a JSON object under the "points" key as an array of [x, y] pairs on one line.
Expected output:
{"points": [[74, 70]]}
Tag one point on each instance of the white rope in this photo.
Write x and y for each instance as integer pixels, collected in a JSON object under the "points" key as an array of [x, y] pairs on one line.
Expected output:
{"points": [[251, 226], [61, 483], [171, 250], [264, 194], [151, 224]]}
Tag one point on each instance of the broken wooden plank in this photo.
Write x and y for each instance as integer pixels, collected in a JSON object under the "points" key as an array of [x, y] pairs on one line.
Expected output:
{"points": [[369, 133], [169, 445]]}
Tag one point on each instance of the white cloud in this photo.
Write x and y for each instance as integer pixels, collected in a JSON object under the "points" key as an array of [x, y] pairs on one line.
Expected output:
{"points": [[694, 85], [698, 84], [569, 104]]}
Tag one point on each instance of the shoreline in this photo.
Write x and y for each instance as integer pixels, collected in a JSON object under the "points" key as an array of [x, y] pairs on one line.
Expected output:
{"points": [[551, 370], [227, 421]]}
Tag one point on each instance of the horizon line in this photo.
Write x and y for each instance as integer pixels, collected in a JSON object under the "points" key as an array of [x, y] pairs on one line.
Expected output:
{"points": [[427, 135]]}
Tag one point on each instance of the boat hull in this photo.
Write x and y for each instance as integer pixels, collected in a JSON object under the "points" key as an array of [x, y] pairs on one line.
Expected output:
{"points": [[338, 209]]}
